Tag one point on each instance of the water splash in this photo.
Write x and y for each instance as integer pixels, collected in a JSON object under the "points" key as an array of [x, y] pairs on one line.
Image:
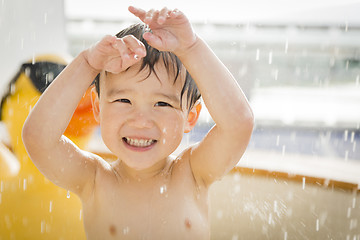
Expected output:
{"points": [[68, 194]]}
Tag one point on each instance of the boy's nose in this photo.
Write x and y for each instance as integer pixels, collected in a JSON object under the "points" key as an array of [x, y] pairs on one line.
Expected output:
{"points": [[141, 119]]}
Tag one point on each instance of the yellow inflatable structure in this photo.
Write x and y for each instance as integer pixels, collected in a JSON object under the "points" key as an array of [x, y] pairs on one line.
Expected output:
{"points": [[31, 207]]}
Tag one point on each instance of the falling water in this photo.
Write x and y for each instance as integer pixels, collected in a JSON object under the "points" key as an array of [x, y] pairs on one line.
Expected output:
{"points": [[303, 183], [50, 206], [24, 184], [270, 57], [317, 225]]}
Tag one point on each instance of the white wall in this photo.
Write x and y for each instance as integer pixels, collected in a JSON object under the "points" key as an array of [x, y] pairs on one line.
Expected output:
{"points": [[27, 29]]}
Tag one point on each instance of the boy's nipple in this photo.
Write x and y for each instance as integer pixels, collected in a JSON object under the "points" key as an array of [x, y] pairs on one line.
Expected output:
{"points": [[112, 230], [187, 223]]}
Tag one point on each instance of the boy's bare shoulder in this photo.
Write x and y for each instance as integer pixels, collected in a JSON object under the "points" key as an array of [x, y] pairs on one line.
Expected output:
{"points": [[103, 172], [182, 167]]}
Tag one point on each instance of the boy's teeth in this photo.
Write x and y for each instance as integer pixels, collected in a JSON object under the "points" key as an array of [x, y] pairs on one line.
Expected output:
{"points": [[139, 142]]}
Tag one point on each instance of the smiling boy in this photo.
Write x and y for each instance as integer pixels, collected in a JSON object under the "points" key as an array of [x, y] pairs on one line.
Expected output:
{"points": [[146, 100]]}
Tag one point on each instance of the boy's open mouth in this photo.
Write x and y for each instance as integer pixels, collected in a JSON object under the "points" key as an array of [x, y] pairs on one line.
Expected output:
{"points": [[140, 143]]}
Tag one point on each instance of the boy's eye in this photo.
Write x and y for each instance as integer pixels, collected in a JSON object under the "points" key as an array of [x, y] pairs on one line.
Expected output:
{"points": [[163, 104], [123, 100]]}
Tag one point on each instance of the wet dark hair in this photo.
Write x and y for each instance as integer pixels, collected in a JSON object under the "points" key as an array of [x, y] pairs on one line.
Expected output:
{"points": [[171, 61]]}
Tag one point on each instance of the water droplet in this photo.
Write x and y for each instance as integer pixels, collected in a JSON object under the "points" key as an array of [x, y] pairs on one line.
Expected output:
{"points": [[354, 202], [286, 45], [283, 150], [24, 184], [275, 206], [357, 81], [80, 215], [257, 55], [126, 230], [270, 57], [348, 213], [285, 235], [0, 198], [68, 194], [317, 225], [303, 183], [346, 135], [270, 219], [50, 207], [42, 227], [352, 137], [163, 189], [45, 18]]}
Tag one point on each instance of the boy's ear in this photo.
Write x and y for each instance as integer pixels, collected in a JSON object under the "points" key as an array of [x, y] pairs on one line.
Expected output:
{"points": [[95, 104], [193, 116]]}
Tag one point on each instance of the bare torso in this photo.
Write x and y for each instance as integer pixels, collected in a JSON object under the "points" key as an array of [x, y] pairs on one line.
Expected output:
{"points": [[170, 205]]}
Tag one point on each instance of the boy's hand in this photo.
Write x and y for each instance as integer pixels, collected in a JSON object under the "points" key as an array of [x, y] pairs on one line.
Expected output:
{"points": [[114, 54], [171, 30]]}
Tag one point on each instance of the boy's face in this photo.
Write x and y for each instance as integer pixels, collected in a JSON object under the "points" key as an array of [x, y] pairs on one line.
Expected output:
{"points": [[140, 118]]}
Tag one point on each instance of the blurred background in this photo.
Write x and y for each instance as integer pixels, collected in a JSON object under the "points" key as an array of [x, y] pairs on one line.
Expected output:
{"points": [[298, 63]]}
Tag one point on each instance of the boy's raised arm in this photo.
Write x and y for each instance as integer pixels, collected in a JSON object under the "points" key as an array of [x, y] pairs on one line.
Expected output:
{"points": [[55, 155], [224, 145]]}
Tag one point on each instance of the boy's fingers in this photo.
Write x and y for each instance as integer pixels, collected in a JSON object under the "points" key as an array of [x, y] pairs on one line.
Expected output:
{"points": [[122, 48], [135, 46], [153, 40], [138, 12], [163, 15], [149, 16], [175, 13]]}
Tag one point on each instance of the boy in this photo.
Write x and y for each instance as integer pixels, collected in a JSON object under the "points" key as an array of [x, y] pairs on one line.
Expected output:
{"points": [[143, 112]]}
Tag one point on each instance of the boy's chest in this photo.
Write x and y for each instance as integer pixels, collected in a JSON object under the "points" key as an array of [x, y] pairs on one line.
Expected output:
{"points": [[149, 211]]}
